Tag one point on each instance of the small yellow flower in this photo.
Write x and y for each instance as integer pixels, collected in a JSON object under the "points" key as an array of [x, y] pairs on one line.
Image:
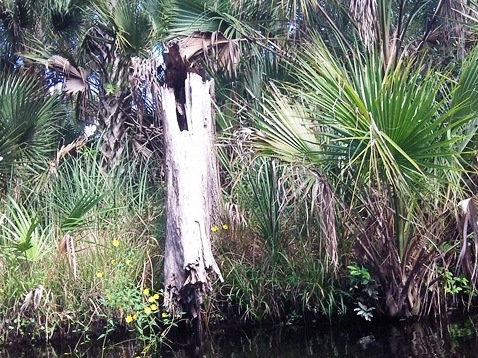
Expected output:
{"points": [[154, 307], [156, 296], [129, 319], [151, 299], [147, 310], [99, 274], [116, 242], [113, 261], [165, 314], [128, 262], [146, 292], [225, 226], [214, 228], [135, 317]]}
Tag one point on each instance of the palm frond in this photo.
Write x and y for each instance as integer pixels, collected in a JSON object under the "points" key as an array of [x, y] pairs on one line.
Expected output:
{"points": [[28, 119], [67, 20], [77, 211], [76, 78], [284, 131], [23, 233], [463, 99], [225, 51], [393, 119], [134, 25], [181, 19]]}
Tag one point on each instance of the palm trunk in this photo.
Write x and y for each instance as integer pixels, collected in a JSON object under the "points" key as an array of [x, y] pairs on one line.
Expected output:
{"points": [[112, 121], [364, 12], [115, 106]]}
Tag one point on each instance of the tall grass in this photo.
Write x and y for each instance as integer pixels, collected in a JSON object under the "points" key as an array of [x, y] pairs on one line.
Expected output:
{"points": [[277, 268], [297, 289], [64, 249]]}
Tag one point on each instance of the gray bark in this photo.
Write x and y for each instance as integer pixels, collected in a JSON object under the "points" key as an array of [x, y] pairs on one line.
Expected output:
{"points": [[192, 196]]}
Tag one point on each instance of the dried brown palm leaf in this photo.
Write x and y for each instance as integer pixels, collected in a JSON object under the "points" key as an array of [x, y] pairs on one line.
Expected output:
{"points": [[66, 246], [364, 13], [225, 51], [64, 151], [140, 146], [33, 298], [468, 217], [234, 215], [76, 77], [143, 70], [323, 200]]}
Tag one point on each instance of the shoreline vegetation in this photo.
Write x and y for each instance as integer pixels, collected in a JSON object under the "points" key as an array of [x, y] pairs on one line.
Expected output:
{"points": [[346, 176], [105, 281]]}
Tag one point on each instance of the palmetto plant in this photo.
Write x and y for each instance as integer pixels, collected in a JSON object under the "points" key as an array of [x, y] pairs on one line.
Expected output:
{"points": [[391, 137], [22, 233], [28, 126], [90, 48], [388, 134]]}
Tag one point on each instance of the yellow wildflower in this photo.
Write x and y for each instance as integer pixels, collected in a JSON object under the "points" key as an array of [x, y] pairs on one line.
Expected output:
{"points": [[146, 292], [225, 226], [116, 242], [165, 314], [99, 274], [135, 317], [154, 307], [113, 261], [147, 310], [156, 296], [129, 319], [214, 228], [128, 262]]}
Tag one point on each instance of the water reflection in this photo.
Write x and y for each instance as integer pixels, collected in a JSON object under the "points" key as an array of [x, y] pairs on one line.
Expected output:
{"points": [[456, 339]]}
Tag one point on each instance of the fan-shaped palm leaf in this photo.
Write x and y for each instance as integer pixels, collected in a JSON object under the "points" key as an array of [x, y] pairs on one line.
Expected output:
{"points": [[134, 27], [23, 233], [376, 122], [28, 117], [464, 100], [288, 134], [77, 210], [223, 29]]}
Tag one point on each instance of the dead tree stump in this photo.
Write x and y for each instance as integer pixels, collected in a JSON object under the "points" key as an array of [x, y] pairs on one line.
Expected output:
{"points": [[193, 189]]}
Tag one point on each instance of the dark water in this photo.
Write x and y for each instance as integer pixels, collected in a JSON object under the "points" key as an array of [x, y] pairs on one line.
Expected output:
{"points": [[458, 338]]}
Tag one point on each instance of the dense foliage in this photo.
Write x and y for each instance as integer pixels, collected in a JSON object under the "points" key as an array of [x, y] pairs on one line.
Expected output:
{"points": [[346, 133]]}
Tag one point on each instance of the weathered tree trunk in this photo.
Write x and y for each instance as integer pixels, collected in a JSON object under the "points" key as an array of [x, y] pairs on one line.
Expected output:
{"points": [[192, 195]]}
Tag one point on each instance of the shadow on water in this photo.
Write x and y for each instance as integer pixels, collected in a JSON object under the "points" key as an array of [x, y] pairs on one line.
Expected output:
{"points": [[458, 338]]}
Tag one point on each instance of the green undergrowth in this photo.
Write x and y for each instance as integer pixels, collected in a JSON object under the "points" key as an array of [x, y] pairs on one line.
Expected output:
{"points": [[80, 254], [290, 289]]}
